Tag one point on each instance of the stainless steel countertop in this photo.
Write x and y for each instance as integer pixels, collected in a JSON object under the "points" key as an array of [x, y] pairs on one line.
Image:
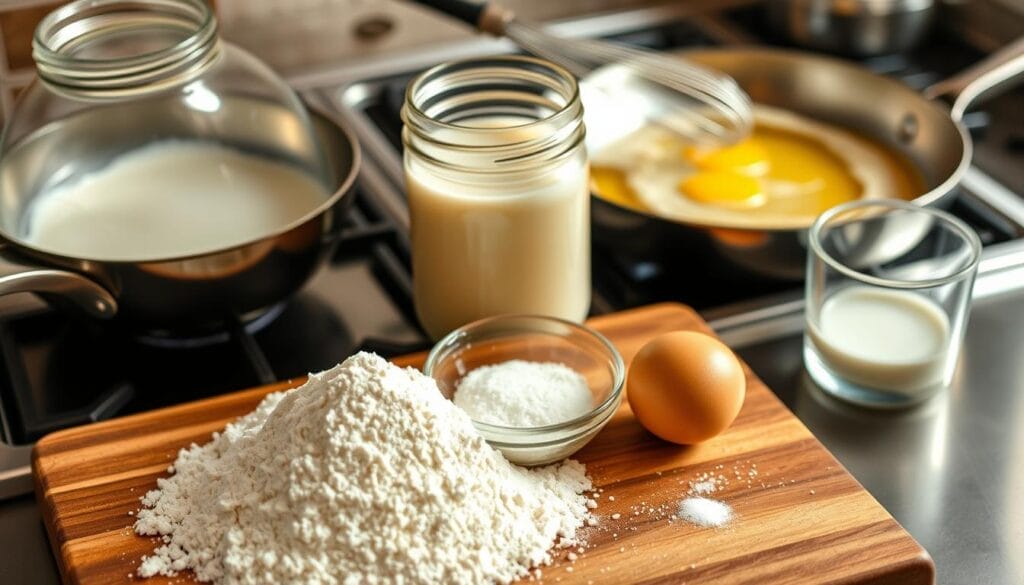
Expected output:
{"points": [[950, 471]]}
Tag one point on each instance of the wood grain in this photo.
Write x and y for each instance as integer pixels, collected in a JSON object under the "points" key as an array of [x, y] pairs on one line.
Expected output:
{"points": [[801, 519]]}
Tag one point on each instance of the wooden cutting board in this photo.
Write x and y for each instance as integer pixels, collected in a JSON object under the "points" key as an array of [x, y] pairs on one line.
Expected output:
{"points": [[801, 517]]}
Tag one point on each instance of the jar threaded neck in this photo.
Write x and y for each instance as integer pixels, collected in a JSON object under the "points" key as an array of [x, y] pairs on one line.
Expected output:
{"points": [[493, 115], [115, 48]]}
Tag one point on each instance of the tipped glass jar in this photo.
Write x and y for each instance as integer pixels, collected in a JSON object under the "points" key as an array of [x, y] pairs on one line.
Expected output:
{"points": [[157, 172], [499, 198], [117, 75]]}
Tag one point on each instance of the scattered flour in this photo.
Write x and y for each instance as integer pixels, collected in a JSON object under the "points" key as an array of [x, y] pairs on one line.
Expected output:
{"points": [[705, 512], [365, 474], [520, 393]]}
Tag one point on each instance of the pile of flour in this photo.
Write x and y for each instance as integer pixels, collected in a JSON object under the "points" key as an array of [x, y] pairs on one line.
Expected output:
{"points": [[365, 474]]}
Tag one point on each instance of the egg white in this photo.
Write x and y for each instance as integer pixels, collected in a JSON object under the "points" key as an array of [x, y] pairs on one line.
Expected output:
{"points": [[651, 159]]}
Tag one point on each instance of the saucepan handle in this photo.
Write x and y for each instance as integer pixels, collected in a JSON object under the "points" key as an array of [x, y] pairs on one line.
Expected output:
{"points": [[993, 73], [16, 275]]}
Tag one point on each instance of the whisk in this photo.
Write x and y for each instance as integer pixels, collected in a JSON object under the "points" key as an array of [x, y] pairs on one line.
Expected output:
{"points": [[705, 106]]}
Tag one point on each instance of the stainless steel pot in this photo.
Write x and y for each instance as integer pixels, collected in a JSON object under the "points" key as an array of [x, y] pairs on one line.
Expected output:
{"points": [[824, 89], [171, 296], [853, 27]]}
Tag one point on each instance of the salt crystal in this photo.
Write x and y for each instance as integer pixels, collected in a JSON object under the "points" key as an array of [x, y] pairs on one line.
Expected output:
{"points": [[704, 487]]}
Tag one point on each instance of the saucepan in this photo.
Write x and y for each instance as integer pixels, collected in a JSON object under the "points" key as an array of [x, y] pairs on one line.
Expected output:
{"points": [[180, 295], [923, 131], [853, 27]]}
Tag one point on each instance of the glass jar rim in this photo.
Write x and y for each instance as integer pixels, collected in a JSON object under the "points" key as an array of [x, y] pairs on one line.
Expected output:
{"points": [[85, 19], [890, 205], [436, 70]]}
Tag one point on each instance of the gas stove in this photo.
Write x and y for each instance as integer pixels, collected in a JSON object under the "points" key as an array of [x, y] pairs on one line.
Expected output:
{"points": [[58, 372]]}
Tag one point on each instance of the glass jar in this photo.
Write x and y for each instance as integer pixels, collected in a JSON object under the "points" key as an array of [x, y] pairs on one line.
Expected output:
{"points": [[499, 200], [114, 76]]}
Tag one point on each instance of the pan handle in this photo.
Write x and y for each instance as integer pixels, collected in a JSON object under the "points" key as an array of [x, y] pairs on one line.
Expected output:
{"points": [[997, 71], [18, 276]]}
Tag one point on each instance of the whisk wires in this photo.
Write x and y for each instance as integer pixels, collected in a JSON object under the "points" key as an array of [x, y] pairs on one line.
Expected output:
{"points": [[706, 106]]}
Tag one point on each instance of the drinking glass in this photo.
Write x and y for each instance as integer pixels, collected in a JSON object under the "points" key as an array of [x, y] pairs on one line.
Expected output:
{"points": [[888, 294]]}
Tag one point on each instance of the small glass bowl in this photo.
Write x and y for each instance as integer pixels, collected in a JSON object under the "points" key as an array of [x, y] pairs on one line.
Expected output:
{"points": [[537, 339]]}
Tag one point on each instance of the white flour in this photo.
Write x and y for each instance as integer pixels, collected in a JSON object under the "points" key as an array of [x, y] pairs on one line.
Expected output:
{"points": [[519, 393], [365, 474]]}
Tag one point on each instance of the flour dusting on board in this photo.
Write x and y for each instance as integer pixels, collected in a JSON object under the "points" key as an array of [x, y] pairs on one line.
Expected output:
{"points": [[364, 474]]}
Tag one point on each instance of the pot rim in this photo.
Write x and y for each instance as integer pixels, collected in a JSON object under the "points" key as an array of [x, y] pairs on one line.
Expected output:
{"points": [[344, 187]]}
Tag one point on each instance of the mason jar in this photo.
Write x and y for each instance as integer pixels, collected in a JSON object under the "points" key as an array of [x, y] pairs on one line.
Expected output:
{"points": [[498, 185]]}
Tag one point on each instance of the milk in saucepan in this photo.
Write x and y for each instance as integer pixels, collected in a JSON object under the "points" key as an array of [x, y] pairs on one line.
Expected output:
{"points": [[896, 341], [171, 199]]}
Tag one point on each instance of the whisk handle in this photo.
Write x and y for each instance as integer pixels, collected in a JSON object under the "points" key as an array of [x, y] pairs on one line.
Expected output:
{"points": [[468, 12]]}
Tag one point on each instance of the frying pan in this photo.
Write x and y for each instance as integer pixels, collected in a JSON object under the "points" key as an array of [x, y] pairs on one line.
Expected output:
{"points": [[182, 296], [821, 88]]}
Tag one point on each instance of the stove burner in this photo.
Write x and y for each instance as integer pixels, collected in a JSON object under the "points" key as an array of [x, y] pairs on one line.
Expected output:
{"points": [[249, 323]]}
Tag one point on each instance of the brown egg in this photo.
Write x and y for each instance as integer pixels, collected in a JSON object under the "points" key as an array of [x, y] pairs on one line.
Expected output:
{"points": [[685, 387]]}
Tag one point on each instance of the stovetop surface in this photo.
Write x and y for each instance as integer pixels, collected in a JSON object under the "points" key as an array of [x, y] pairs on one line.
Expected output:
{"points": [[58, 372]]}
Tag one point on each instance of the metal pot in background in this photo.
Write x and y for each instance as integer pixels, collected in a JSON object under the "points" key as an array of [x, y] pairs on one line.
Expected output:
{"points": [[853, 27]]}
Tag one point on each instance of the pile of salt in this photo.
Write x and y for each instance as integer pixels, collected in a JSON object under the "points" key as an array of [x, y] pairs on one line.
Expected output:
{"points": [[705, 512]]}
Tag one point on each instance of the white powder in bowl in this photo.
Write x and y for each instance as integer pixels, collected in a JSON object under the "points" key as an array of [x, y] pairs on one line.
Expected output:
{"points": [[705, 512], [519, 393], [365, 474]]}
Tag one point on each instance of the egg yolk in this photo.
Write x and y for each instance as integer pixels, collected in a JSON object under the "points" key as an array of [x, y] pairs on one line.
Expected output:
{"points": [[749, 157], [724, 188], [775, 172], [797, 173]]}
